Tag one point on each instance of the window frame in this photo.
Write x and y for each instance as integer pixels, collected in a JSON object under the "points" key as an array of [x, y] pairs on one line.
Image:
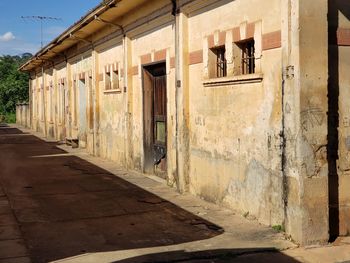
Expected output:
{"points": [[218, 62], [247, 57]]}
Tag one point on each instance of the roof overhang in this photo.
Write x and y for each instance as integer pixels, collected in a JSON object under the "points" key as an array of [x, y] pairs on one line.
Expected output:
{"points": [[96, 19]]}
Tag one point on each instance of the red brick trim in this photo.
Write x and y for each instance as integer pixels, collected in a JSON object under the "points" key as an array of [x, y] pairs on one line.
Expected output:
{"points": [[107, 68], [196, 57], [222, 38], [271, 40], [221, 42], [145, 59], [82, 76], [172, 62], [250, 30], [160, 55], [211, 41], [135, 70], [114, 66], [343, 37], [236, 34]]}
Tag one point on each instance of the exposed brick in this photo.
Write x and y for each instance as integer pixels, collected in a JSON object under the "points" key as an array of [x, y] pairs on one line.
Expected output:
{"points": [[211, 41], [222, 38], [172, 62], [271, 40], [196, 57], [115, 66], [160, 55], [343, 36], [82, 76], [135, 70], [145, 59], [236, 34], [250, 30]]}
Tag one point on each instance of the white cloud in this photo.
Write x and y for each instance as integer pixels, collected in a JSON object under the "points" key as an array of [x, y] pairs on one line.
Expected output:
{"points": [[8, 36], [18, 46]]}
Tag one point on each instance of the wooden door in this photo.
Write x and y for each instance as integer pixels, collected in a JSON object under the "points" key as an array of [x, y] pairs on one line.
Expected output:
{"points": [[148, 121], [155, 124]]}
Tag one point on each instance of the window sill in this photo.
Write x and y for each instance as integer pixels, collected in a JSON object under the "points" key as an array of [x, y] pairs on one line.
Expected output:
{"points": [[234, 80], [112, 91]]}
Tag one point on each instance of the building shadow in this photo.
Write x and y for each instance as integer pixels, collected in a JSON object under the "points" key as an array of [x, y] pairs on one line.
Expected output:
{"points": [[6, 129], [243, 255], [67, 206]]}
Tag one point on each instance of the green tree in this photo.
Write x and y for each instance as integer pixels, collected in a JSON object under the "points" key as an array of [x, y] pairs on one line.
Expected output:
{"points": [[13, 83]]}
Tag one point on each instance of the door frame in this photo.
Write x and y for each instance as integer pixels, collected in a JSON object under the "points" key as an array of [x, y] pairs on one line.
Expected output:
{"points": [[148, 165]]}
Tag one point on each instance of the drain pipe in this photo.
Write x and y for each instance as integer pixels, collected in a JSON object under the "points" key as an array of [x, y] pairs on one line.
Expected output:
{"points": [[287, 75], [174, 13]]}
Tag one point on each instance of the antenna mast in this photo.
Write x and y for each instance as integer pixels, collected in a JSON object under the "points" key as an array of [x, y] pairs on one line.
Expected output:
{"points": [[41, 18]]}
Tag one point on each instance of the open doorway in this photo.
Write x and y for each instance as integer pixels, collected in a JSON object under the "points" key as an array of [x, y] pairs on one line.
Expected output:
{"points": [[154, 119]]}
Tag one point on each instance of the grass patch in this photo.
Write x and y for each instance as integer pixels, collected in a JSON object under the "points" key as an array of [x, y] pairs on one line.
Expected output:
{"points": [[278, 228], [8, 118]]}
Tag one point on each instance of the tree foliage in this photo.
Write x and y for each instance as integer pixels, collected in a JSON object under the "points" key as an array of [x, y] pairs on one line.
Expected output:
{"points": [[13, 83]]}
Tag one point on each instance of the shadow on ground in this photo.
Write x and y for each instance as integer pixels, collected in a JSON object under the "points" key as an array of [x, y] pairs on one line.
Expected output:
{"points": [[67, 206], [244, 255]]}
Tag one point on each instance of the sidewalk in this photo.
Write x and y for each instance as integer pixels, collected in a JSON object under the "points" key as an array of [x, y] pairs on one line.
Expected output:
{"points": [[240, 240]]}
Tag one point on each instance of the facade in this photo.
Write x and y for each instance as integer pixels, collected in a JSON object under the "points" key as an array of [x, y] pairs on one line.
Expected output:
{"points": [[243, 103]]}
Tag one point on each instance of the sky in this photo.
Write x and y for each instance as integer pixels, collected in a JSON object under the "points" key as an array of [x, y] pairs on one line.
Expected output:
{"points": [[21, 35]]}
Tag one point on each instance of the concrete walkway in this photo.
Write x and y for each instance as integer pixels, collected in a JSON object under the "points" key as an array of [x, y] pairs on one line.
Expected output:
{"points": [[72, 207]]}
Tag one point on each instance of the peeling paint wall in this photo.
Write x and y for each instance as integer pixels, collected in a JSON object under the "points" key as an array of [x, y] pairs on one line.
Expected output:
{"points": [[111, 128], [234, 129]]}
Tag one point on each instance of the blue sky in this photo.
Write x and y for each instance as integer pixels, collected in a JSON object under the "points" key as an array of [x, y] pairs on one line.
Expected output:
{"points": [[19, 35]]}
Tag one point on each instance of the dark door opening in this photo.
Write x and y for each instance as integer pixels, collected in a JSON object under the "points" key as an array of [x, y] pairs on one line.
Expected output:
{"points": [[155, 121]]}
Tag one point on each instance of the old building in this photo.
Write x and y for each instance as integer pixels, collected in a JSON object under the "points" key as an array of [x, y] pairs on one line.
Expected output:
{"points": [[244, 103]]}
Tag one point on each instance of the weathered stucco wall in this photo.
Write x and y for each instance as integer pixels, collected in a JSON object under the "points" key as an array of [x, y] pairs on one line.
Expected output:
{"points": [[112, 118], [234, 129], [305, 122], [78, 97], [23, 114]]}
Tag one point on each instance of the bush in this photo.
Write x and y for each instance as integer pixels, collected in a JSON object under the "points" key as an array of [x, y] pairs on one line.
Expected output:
{"points": [[10, 118]]}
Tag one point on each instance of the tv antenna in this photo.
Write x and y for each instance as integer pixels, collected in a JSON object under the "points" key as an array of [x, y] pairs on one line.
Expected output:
{"points": [[41, 19]]}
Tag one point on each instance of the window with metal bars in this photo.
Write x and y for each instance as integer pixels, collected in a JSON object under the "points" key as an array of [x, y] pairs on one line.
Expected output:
{"points": [[108, 81], [248, 59], [218, 62]]}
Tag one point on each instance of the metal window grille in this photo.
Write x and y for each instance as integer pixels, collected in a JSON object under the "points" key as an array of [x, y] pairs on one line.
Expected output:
{"points": [[248, 59], [108, 84], [221, 63]]}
